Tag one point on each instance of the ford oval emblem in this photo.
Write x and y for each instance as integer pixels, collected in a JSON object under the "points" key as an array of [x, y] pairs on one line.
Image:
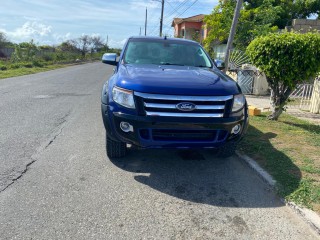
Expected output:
{"points": [[186, 106]]}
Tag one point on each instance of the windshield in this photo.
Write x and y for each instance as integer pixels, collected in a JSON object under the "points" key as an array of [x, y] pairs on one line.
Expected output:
{"points": [[166, 53]]}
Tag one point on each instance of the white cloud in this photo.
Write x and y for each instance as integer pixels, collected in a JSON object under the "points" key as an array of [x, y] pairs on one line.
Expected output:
{"points": [[29, 30], [62, 38], [116, 44], [140, 4]]}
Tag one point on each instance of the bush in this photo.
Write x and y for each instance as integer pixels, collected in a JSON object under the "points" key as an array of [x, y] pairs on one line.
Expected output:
{"points": [[59, 56], [286, 59], [37, 63], [27, 65], [3, 67], [15, 66], [48, 57]]}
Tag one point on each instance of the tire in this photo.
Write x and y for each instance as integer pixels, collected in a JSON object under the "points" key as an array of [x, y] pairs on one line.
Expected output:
{"points": [[115, 149], [227, 150]]}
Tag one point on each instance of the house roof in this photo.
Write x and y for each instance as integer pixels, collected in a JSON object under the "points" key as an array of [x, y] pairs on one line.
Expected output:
{"points": [[196, 18]]}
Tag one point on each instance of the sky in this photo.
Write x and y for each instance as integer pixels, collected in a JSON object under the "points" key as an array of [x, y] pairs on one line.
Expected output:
{"points": [[50, 22]]}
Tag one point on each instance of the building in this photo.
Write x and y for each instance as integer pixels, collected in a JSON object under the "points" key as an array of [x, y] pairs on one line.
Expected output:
{"points": [[192, 28]]}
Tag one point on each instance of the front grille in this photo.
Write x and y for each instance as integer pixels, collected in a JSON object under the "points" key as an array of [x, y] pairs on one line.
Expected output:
{"points": [[188, 135], [167, 105]]}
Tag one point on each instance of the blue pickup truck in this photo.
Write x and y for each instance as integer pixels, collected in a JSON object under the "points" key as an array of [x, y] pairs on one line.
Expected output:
{"points": [[168, 93]]}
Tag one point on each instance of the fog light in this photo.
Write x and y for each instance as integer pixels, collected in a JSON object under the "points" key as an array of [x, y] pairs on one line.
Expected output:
{"points": [[236, 129], [126, 127]]}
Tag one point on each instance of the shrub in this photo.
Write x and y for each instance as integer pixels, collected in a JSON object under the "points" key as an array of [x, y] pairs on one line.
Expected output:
{"points": [[15, 66], [48, 57], [286, 59], [27, 65], [59, 56], [3, 67], [37, 63]]}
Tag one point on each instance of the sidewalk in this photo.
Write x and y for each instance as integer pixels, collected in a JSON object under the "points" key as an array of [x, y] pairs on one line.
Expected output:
{"points": [[263, 103]]}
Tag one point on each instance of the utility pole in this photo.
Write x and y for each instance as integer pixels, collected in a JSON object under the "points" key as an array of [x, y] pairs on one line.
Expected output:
{"points": [[232, 33], [161, 19], [145, 23], [140, 32]]}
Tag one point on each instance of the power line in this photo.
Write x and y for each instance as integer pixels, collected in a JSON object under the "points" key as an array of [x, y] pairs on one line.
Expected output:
{"points": [[169, 4], [177, 8], [170, 14], [181, 13], [188, 8]]}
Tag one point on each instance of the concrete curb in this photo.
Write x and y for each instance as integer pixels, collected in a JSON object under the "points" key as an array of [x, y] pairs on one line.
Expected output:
{"points": [[309, 216], [259, 170]]}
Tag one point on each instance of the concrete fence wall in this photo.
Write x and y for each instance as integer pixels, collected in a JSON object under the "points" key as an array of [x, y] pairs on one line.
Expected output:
{"points": [[306, 25], [6, 52]]}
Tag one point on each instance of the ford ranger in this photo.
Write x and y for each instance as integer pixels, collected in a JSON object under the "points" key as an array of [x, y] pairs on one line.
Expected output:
{"points": [[168, 93]]}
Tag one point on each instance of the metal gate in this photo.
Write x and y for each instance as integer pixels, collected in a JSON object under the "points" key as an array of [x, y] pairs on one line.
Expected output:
{"points": [[245, 81], [301, 97]]}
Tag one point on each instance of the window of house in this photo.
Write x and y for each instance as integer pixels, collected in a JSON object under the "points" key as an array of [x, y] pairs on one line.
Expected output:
{"points": [[182, 32]]}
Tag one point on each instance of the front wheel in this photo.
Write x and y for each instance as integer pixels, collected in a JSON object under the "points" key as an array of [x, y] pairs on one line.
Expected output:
{"points": [[115, 149]]}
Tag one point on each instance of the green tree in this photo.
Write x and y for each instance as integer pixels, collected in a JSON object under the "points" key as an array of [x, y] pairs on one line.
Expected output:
{"points": [[25, 51], [255, 22], [257, 18], [286, 59], [68, 46], [3, 39], [97, 44], [46, 48], [306, 8], [219, 23], [83, 43]]}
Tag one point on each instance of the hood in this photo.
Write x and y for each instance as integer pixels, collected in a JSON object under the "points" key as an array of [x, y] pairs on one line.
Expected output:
{"points": [[179, 80]]}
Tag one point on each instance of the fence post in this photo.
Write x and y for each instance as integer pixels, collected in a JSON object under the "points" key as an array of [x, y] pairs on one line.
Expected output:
{"points": [[315, 98]]}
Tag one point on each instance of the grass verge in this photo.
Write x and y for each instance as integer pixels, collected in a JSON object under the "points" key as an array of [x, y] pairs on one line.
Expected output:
{"points": [[289, 149], [25, 71]]}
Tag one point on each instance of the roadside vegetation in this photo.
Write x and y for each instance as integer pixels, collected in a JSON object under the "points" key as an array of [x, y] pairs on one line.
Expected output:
{"points": [[289, 150], [27, 57], [286, 59], [257, 18]]}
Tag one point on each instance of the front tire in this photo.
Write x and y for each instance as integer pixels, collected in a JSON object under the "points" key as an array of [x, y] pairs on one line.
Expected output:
{"points": [[115, 149]]}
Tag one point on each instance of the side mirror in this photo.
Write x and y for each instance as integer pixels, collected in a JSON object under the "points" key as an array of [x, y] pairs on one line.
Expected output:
{"points": [[110, 58], [219, 63]]}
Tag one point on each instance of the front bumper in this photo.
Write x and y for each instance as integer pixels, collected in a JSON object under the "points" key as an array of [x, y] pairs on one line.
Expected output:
{"points": [[172, 132]]}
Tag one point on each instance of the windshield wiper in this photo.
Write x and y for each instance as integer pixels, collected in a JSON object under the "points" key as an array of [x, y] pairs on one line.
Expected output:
{"points": [[201, 66], [166, 63]]}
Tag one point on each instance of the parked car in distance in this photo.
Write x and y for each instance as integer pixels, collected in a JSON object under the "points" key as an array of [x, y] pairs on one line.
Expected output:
{"points": [[168, 93]]}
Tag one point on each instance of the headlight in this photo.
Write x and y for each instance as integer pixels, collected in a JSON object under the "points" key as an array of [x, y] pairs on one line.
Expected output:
{"points": [[238, 102], [123, 97]]}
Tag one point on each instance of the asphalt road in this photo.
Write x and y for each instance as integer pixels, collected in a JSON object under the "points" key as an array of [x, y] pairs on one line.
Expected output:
{"points": [[56, 181]]}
